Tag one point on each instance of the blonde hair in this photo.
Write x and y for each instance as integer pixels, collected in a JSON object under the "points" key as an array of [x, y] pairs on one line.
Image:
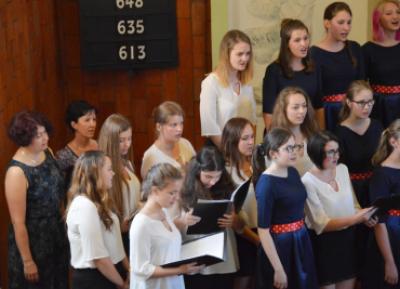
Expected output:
{"points": [[159, 176], [279, 117], [87, 181], [355, 88], [109, 142], [385, 148], [230, 39]]}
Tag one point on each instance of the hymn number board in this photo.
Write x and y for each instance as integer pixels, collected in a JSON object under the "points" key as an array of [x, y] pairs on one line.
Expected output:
{"points": [[128, 34]]}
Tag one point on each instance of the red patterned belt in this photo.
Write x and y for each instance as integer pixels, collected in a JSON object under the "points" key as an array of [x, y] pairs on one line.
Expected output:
{"points": [[394, 213], [334, 97], [386, 89], [360, 176], [286, 228]]}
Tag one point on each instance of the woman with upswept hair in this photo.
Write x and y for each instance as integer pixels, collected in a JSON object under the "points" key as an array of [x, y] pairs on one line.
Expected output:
{"points": [[97, 252], [338, 59], [293, 67], [115, 139]]}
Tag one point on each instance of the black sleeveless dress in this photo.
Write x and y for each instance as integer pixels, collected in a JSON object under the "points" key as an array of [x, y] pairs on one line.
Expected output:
{"points": [[46, 230]]}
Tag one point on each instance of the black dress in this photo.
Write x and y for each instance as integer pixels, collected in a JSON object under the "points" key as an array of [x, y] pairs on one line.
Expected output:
{"points": [[382, 69], [274, 81], [385, 182], [337, 72], [356, 153], [46, 231]]}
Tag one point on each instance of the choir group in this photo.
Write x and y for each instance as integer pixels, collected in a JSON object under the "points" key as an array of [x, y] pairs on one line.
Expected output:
{"points": [[331, 149]]}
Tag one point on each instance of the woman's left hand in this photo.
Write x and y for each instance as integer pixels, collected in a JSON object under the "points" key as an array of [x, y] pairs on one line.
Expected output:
{"points": [[189, 219], [231, 220]]}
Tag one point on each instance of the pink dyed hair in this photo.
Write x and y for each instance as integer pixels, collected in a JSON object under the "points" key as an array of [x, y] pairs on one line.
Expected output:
{"points": [[377, 30]]}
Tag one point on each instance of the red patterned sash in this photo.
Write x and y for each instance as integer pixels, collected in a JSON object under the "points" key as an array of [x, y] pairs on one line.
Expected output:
{"points": [[334, 97], [386, 89], [360, 176], [286, 228]]}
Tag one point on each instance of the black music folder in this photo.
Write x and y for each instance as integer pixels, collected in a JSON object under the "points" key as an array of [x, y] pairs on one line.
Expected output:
{"points": [[384, 204], [239, 195], [209, 211], [207, 250]]}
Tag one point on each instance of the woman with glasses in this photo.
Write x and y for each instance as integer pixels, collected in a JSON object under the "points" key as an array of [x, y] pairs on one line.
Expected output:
{"points": [[285, 257], [382, 61], [331, 213], [359, 137], [293, 111]]}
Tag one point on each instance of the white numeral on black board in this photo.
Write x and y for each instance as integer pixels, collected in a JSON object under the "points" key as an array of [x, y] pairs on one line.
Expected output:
{"points": [[121, 4], [132, 52]]}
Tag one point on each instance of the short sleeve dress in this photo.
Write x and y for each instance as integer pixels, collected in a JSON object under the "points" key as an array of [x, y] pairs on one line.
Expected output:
{"points": [[280, 201]]}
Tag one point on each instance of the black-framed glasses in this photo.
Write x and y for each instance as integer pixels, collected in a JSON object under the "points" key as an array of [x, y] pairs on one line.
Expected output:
{"points": [[292, 148], [363, 104], [332, 153]]}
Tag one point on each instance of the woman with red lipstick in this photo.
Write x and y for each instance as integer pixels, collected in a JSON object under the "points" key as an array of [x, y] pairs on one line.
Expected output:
{"points": [[331, 213], [293, 67], [170, 146], [237, 147], [115, 139], [226, 92], [293, 111], [34, 191], [338, 59], [383, 260], [285, 257], [81, 120], [382, 61]]}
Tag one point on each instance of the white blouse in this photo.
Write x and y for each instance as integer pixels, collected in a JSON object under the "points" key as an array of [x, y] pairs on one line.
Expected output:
{"points": [[324, 203], [249, 209], [88, 237], [131, 195], [151, 245], [153, 155], [219, 104]]}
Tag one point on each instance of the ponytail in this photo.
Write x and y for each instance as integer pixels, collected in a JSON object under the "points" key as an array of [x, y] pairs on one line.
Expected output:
{"points": [[258, 162]]}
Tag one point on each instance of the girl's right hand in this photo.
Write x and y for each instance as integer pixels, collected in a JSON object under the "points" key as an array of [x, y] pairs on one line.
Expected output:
{"points": [[391, 274], [31, 271], [280, 279], [191, 268], [364, 215]]}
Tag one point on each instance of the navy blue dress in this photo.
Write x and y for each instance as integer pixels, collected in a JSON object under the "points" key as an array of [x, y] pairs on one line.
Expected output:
{"points": [[274, 81], [385, 182], [281, 201], [382, 69], [337, 72]]}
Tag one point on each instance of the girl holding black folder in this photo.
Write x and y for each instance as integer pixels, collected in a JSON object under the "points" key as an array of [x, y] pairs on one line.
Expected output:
{"points": [[154, 238], [285, 259], [383, 260], [206, 178], [237, 146]]}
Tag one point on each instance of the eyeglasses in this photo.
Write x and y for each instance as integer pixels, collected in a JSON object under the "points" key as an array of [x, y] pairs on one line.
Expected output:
{"points": [[363, 104], [292, 148], [332, 153]]}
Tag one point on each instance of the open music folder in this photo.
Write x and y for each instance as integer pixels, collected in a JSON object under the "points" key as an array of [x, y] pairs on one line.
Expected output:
{"points": [[206, 250], [211, 210]]}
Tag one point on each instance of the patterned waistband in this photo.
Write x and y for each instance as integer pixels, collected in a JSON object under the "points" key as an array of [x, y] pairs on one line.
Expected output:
{"points": [[386, 89], [394, 213], [334, 97], [286, 228], [360, 176]]}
